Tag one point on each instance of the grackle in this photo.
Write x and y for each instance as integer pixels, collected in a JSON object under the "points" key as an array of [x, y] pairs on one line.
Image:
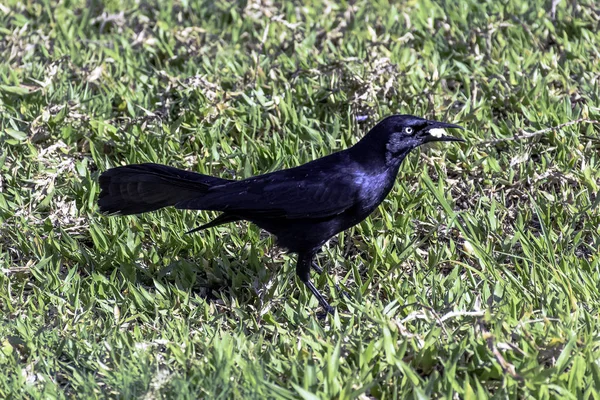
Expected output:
{"points": [[303, 206]]}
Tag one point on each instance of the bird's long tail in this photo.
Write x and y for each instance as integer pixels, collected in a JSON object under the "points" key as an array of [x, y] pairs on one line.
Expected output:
{"points": [[139, 188]]}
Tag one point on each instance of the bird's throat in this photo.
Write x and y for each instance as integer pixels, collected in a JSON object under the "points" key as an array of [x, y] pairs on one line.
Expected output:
{"points": [[393, 159]]}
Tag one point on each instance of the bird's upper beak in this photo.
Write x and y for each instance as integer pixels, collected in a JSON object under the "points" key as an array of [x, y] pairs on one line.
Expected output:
{"points": [[435, 132]]}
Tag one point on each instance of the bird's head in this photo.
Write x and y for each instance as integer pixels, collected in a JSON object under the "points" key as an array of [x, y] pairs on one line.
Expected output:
{"points": [[396, 135]]}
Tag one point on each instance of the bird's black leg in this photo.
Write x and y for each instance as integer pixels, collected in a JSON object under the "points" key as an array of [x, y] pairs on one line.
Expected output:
{"points": [[316, 267], [303, 272], [319, 270]]}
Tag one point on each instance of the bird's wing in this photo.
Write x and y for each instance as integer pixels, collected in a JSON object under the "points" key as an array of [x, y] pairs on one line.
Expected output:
{"points": [[300, 194]]}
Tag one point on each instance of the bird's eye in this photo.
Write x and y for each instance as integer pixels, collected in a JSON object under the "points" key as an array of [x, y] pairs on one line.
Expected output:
{"points": [[408, 130]]}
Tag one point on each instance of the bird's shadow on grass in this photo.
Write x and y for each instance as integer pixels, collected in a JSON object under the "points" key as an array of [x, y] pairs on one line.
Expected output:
{"points": [[212, 279]]}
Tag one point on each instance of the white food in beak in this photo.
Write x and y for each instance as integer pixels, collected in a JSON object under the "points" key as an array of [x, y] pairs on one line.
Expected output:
{"points": [[437, 132]]}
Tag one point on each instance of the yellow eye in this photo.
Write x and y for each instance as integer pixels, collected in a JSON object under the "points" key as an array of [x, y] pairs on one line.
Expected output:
{"points": [[408, 130]]}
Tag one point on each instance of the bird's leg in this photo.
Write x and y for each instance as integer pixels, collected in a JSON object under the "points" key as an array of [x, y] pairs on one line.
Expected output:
{"points": [[316, 267], [303, 272], [319, 271]]}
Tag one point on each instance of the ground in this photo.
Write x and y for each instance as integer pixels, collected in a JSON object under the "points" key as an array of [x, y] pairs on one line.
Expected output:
{"points": [[477, 277]]}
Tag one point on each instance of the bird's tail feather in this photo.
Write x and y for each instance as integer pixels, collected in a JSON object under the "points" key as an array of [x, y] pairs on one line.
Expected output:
{"points": [[139, 188]]}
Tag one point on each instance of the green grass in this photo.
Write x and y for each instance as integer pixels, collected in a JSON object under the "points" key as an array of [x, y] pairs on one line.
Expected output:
{"points": [[478, 277]]}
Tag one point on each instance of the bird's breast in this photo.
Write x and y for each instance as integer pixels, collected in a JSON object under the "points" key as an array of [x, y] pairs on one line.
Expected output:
{"points": [[374, 187]]}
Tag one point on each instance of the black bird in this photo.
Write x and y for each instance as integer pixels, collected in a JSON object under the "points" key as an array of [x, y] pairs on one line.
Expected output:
{"points": [[303, 206]]}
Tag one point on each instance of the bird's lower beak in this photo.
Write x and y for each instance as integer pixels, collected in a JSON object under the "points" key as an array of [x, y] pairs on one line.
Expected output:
{"points": [[436, 132]]}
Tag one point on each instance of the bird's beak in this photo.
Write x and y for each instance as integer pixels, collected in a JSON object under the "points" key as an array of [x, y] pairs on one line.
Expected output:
{"points": [[436, 132]]}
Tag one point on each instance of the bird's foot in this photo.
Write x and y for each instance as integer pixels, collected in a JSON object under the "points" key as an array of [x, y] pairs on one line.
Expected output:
{"points": [[326, 311]]}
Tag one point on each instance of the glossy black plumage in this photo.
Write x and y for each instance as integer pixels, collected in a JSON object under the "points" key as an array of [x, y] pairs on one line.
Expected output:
{"points": [[303, 206]]}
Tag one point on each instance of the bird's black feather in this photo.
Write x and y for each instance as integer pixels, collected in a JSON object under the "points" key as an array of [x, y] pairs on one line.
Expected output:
{"points": [[302, 206]]}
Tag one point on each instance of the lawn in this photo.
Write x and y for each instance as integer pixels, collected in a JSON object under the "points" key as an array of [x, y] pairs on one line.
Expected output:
{"points": [[477, 277]]}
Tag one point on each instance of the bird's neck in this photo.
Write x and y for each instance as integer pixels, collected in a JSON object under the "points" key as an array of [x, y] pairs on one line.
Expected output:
{"points": [[375, 156]]}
